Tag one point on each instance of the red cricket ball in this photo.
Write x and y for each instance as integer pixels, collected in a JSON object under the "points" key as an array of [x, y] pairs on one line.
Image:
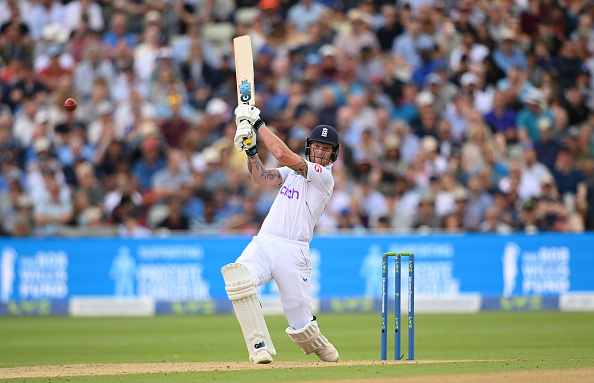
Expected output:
{"points": [[70, 104]]}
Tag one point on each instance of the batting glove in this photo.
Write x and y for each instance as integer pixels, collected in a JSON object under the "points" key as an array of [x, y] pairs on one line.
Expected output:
{"points": [[244, 132], [250, 114]]}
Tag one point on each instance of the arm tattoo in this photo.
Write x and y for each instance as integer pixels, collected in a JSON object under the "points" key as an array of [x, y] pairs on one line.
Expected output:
{"points": [[259, 172], [300, 168]]}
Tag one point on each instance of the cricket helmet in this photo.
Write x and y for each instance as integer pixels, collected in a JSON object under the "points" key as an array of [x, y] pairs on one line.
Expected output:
{"points": [[326, 135]]}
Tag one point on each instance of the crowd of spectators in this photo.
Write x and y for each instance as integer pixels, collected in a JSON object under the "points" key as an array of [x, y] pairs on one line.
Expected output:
{"points": [[454, 115]]}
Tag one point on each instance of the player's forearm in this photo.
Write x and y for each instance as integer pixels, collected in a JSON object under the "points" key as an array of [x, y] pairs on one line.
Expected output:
{"points": [[280, 151], [260, 174]]}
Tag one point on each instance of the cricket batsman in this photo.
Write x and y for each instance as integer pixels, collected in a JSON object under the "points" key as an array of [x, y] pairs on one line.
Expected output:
{"points": [[280, 251]]}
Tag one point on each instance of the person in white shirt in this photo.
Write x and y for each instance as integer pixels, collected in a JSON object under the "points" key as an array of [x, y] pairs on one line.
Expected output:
{"points": [[280, 251]]}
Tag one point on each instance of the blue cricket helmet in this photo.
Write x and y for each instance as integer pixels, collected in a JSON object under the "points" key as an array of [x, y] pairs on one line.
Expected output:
{"points": [[326, 135]]}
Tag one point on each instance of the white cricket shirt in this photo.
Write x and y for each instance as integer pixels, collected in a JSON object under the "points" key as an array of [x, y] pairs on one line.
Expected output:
{"points": [[299, 203]]}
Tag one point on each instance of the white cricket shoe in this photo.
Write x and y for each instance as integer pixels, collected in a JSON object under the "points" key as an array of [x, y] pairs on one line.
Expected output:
{"points": [[262, 357], [328, 353]]}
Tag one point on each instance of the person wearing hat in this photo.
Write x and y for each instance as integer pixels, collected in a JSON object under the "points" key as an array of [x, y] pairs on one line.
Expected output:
{"points": [[506, 56], [351, 43], [535, 108]]}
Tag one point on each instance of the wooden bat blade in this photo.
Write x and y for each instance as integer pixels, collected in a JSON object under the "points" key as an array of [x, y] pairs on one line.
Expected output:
{"points": [[244, 72]]}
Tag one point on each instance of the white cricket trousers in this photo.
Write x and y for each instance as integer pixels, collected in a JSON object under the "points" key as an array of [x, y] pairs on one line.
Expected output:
{"points": [[287, 262]]}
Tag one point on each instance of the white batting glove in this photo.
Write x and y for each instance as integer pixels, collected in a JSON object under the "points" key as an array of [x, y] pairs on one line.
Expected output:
{"points": [[247, 112], [244, 132]]}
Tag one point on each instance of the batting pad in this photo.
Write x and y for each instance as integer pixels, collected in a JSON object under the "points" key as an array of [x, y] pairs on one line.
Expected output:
{"points": [[309, 338], [241, 289]]}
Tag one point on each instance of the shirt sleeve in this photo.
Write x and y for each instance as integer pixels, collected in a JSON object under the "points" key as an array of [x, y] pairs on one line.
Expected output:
{"points": [[284, 171], [320, 177]]}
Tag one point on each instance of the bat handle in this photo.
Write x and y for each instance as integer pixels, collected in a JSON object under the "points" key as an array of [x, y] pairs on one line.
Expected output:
{"points": [[247, 141]]}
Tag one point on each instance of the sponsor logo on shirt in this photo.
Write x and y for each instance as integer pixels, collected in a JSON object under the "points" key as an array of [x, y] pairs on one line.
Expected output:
{"points": [[289, 193], [318, 168]]}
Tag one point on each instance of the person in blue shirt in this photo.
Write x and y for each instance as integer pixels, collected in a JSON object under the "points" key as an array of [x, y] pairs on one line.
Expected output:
{"points": [[118, 33], [149, 164], [535, 107], [409, 44], [501, 118], [506, 56]]}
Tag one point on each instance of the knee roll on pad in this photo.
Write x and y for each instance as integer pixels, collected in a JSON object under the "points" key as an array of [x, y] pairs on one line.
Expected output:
{"points": [[309, 338], [241, 289]]}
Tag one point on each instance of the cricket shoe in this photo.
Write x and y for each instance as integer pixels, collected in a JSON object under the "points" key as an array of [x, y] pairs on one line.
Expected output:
{"points": [[262, 357], [328, 353]]}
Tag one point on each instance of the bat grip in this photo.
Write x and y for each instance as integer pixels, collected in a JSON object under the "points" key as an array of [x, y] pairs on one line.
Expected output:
{"points": [[247, 141]]}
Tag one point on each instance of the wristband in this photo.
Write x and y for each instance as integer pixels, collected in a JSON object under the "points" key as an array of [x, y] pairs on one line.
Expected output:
{"points": [[252, 151], [258, 123]]}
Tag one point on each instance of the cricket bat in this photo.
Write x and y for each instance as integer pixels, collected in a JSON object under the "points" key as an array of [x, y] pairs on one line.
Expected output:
{"points": [[244, 72]]}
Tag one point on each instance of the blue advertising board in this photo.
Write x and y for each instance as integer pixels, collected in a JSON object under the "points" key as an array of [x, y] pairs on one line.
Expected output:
{"points": [[187, 269]]}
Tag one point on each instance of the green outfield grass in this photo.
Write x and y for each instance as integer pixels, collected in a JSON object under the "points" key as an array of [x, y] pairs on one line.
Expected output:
{"points": [[526, 340]]}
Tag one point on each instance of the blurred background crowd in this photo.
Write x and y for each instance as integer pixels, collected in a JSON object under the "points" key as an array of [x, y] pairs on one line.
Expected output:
{"points": [[454, 115]]}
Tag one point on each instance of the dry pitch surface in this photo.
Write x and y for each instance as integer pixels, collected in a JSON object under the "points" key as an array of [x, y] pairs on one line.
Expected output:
{"points": [[537, 376]]}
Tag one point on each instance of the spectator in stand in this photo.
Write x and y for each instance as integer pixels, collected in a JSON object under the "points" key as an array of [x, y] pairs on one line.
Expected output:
{"points": [[571, 182], [92, 66], [546, 147], [175, 219], [148, 164], [502, 119], [44, 13], [426, 217], [145, 53], [168, 181], [469, 48], [493, 222], [477, 204], [359, 36], [574, 103], [131, 227], [532, 167], [53, 212], [529, 220], [88, 111], [118, 34], [568, 65], [408, 45], [77, 10], [390, 28], [506, 56], [305, 12], [124, 193], [176, 125], [51, 75], [526, 121]]}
